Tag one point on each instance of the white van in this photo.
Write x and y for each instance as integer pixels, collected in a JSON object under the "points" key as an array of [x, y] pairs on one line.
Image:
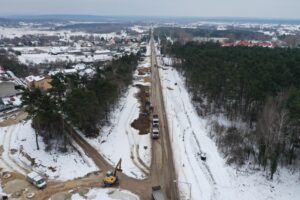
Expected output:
{"points": [[35, 179]]}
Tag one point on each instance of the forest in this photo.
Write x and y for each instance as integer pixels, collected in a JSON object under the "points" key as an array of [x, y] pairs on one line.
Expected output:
{"points": [[10, 62], [258, 87], [83, 101], [232, 34]]}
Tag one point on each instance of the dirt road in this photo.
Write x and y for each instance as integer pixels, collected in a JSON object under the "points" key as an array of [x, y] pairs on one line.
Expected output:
{"points": [[162, 166], [162, 170], [14, 118]]}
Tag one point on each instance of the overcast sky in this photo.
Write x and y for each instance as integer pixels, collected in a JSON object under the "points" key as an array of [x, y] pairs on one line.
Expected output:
{"points": [[205, 8]]}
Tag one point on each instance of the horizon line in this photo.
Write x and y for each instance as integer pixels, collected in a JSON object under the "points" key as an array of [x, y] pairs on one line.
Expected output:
{"points": [[149, 16]]}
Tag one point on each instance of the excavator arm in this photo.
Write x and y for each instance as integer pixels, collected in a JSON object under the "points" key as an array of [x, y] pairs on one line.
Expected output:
{"points": [[118, 167]]}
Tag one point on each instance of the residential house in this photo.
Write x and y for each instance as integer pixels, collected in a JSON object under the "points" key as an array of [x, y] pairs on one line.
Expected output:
{"points": [[42, 82]]}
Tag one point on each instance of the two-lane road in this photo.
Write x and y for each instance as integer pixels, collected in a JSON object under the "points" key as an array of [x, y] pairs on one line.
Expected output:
{"points": [[162, 168]]}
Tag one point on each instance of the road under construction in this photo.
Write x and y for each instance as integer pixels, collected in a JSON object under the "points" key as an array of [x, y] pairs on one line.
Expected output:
{"points": [[162, 170]]}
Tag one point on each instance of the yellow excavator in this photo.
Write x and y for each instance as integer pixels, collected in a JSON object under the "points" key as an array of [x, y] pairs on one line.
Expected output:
{"points": [[111, 178]]}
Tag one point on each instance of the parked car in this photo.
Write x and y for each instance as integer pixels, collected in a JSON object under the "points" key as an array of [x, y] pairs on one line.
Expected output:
{"points": [[155, 131], [155, 119], [203, 156], [3, 196], [36, 180]]}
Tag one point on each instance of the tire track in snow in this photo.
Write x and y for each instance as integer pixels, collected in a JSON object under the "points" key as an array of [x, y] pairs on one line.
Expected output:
{"points": [[131, 140], [134, 156], [6, 158], [203, 166]]}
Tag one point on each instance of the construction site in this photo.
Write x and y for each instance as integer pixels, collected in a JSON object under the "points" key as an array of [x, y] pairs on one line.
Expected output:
{"points": [[155, 146], [159, 175]]}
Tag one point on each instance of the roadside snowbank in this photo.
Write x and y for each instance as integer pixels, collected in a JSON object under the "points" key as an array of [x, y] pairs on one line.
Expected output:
{"points": [[120, 140], [20, 152], [212, 179]]}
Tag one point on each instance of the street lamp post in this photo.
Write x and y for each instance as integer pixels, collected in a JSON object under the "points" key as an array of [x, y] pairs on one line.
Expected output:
{"points": [[187, 183]]}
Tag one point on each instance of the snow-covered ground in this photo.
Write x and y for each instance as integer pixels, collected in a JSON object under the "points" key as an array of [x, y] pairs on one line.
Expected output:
{"points": [[106, 194], [213, 179], [120, 140], [7, 32], [47, 58], [20, 151], [138, 29]]}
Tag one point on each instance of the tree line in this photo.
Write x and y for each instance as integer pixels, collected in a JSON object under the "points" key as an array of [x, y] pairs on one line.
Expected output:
{"points": [[82, 100], [259, 86], [186, 34], [10, 62]]}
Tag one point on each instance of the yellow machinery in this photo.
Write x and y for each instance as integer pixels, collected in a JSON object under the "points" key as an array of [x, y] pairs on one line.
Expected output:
{"points": [[111, 178]]}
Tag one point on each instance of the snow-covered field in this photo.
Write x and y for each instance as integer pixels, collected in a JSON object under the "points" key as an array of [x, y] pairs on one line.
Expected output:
{"points": [[48, 58], [120, 140], [213, 179], [20, 151], [8, 32], [138, 29], [106, 194]]}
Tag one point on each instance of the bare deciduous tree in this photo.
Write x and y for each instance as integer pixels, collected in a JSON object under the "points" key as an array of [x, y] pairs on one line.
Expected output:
{"points": [[270, 130]]}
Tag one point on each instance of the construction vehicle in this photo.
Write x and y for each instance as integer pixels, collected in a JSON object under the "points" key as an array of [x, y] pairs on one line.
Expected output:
{"points": [[157, 193], [111, 178]]}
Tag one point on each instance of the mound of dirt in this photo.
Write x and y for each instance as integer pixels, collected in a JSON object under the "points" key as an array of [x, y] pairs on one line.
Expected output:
{"points": [[142, 123]]}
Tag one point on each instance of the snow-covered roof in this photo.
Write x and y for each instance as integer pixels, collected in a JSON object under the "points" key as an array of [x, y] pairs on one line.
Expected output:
{"points": [[70, 71], [53, 73], [34, 176], [34, 78], [102, 51], [79, 66], [56, 50], [88, 71]]}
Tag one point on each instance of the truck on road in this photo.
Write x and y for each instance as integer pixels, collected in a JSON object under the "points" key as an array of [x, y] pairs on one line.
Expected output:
{"points": [[36, 180], [157, 193]]}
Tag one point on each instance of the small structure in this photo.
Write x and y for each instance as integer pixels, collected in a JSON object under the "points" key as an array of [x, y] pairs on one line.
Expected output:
{"points": [[203, 156]]}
